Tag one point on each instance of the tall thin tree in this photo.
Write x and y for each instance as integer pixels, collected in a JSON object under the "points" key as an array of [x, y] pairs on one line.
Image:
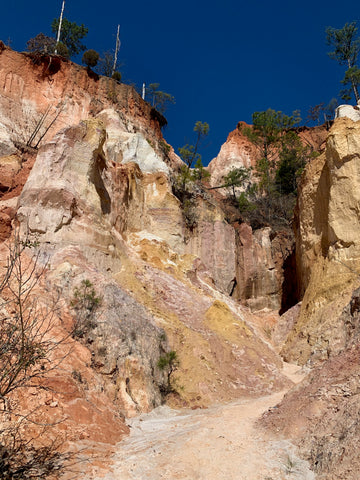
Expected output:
{"points": [[60, 23], [117, 47], [346, 43]]}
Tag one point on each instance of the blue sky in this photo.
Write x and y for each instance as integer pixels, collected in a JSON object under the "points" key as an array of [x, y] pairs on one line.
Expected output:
{"points": [[220, 60]]}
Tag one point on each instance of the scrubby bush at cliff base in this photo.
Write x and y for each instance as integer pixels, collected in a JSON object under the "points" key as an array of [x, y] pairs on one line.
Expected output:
{"points": [[19, 460], [28, 353], [85, 303], [275, 210], [169, 362]]}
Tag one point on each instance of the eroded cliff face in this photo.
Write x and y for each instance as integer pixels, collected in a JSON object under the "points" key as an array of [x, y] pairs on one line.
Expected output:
{"points": [[265, 269], [96, 197], [321, 414], [260, 259], [99, 202], [236, 152], [257, 277], [328, 250], [42, 94], [119, 225]]}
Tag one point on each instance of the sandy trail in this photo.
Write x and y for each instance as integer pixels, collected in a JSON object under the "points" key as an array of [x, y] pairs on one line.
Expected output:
{"points": [[221, 442]]}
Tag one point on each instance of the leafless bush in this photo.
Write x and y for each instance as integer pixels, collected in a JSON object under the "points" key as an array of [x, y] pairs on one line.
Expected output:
{"points": [[29, 350], [20, 459]]}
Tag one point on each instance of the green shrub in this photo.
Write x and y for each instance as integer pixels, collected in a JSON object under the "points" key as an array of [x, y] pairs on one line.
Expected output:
{"points": [[90, 58], [62, 50], [85, 302], [169, 362], [190, 214], [199, 173], [116, 76], [164, 147], [244, 203], [41, 44]]}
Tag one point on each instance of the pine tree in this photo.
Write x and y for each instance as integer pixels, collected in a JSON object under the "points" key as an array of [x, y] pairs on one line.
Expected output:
{"points": [[346, 43]]}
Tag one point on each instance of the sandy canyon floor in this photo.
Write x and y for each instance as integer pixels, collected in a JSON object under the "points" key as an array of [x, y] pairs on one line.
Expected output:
{"points": [[221, 442]]}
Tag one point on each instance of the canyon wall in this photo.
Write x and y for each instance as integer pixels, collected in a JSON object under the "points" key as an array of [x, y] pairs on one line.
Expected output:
{"points": [[92, 191], [118, 224], [321, 414], [96, 199], [52, 93], [328, 248]]}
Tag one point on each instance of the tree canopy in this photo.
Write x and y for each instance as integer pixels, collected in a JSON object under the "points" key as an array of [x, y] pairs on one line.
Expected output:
{"points": [[267, 133], [90, 58], [71, 35], [322, 113], [236, 177], [159, 100], [189, 153], [346, 44], [41, 43], [280, 160]]}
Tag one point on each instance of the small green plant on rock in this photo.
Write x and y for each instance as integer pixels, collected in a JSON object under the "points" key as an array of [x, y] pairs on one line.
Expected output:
{"points": [[199, 173], [85, 302], [190, 214], [164, 147], [289, 465], [169, 362], [116, 76]]}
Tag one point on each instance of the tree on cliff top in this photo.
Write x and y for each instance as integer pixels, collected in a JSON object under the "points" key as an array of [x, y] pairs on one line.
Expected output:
{"points": [[90, 58], [46, 45], [159, 100], [280, 159], [41, 43], [346, 43], [268, 134], [189, 153], [71, 35]]}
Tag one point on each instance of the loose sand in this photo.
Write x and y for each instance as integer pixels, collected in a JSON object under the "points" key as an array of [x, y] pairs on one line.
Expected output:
{"points": [[221, 442]]}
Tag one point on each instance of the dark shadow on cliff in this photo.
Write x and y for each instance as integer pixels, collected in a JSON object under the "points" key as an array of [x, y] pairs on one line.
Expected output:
{"points": [[99, 185], [289, 286]]}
